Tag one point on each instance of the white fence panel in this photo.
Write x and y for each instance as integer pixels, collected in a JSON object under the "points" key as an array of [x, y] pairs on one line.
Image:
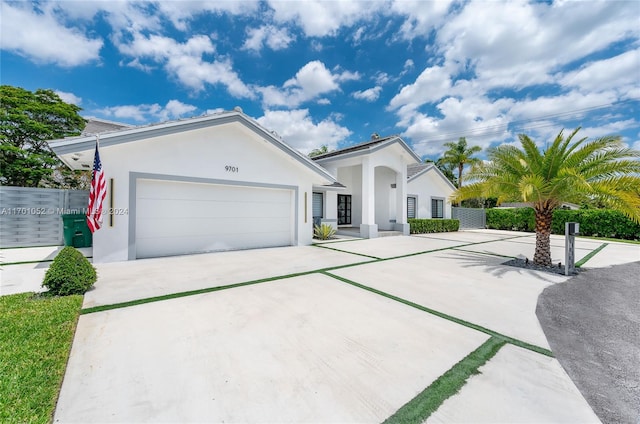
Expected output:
{"points": [[469, 217], [32, 216]]}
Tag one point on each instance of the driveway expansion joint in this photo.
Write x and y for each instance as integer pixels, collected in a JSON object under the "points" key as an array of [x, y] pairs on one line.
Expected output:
{"points": [[442, 315], [590, 255], [425, 403]]}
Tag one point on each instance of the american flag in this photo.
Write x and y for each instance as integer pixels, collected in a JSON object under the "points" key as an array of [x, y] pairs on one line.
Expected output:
{"points": [[97, 193]]}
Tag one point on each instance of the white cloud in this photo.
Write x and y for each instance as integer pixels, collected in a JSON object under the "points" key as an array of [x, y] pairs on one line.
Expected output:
{"points": [[137, 16], [299, 130], [321, 18], [370, 95], [148, 113], [618, 73], [479, 119], [129, 16], [185, 61], [610, 128], [483, 47], [357, 35], [572, 105], [381, 78], [138, 113], [176, 108], [269, 35], [311, 81], [345, 75], [408, 65], [42, 38], [181, 12], [136, 64], [431, 85], [422, 16], [316, 46], [518, 44], [69, 97]]}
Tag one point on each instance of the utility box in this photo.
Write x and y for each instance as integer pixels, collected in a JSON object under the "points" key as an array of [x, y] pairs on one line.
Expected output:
{"points": [[76, 231], [572, 228], [570, 231]]}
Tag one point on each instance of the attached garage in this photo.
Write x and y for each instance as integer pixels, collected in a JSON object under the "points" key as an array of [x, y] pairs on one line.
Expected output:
{"points": [[180, 217], [211, 183]]}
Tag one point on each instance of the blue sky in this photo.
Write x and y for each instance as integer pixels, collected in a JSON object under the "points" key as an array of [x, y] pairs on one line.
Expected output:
{"points": [[335, 72]]}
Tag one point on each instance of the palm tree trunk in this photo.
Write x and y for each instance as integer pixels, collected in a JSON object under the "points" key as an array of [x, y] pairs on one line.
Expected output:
{"points": [[460, 166], [544, 215]]}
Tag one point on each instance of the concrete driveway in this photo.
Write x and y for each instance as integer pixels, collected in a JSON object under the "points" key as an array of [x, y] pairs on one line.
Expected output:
{"points": [[343, 332]]}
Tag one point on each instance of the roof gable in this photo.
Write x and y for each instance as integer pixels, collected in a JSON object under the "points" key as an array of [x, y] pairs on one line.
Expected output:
{"points": [[367, 147], [416, 171], [66, 148]]}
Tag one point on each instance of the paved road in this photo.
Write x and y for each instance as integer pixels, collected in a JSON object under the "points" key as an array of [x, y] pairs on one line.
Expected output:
{"points": [[592, 323]]}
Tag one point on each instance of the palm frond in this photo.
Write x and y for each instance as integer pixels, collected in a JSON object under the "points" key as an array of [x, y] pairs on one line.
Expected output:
{"points": [[531, 151]]}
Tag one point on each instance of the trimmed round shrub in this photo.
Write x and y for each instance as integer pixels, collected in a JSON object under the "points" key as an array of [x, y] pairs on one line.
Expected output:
{"points": [[69, 273]]}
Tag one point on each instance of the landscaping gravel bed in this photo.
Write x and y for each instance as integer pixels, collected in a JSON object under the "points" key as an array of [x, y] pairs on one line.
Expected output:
{"points": [[523, 263]]}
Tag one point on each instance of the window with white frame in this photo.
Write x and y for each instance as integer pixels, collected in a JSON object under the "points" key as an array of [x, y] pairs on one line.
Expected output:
{"points": [[318, 206], [411, 207], [437, 208]]}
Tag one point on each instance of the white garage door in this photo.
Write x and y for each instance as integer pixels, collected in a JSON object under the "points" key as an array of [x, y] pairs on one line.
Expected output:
{"points": [[174, 218]]}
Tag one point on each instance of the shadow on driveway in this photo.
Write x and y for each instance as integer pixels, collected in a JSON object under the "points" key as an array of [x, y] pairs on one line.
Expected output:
{"points": [[592, 323]]}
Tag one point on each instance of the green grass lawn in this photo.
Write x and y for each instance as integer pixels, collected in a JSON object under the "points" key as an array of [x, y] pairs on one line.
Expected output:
{"points": [[35, 339]]}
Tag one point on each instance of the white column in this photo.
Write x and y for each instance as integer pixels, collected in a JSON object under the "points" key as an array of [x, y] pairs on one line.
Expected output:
{"points": [[401, 202], [368, 228]]}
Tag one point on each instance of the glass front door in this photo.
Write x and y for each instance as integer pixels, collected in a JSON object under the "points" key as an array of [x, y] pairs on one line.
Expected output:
{"points": [[344, 209]]}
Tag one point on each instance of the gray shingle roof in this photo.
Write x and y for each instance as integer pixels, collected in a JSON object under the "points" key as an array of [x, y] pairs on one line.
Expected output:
{"points": [[97, 126], [357, 147], [415, 169]]}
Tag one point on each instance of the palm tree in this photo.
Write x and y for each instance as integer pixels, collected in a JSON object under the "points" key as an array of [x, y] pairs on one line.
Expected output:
{"points": [[459, 155], [602, 170]]}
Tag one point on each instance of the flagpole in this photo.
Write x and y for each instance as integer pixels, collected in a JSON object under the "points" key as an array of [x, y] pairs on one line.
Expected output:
{"points": [[97, 192]]}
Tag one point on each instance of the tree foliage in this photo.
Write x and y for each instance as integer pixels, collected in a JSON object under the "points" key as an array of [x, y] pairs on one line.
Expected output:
{"points": [[319, 151], [602, 171], [27, 121], [457, 156]]}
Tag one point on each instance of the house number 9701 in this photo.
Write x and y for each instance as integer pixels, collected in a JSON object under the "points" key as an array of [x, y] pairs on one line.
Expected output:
{"points": [[230, 168]]}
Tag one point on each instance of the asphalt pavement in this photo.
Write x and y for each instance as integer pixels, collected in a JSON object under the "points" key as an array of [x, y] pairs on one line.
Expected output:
{"points": [[592, 323]]}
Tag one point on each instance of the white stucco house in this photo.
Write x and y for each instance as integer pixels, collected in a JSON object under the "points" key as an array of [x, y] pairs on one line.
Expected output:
{"points": [[385, 184], [224, 182]]}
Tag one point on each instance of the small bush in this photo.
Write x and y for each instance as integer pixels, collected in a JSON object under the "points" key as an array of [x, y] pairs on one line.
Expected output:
{"points": [[323, 232], [69, 273], [423, 226]]}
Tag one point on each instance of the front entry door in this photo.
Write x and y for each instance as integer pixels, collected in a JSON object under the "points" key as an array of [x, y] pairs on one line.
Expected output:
{"points": [[344, 209]]}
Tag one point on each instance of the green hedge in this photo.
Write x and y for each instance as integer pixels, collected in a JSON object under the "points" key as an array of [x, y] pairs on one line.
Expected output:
{"points": [[422, 226], [593, 222], [515, 219], [597, 223]]}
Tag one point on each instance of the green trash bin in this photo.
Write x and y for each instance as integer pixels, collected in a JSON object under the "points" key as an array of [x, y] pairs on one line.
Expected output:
{"points": [[76, 231]]}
